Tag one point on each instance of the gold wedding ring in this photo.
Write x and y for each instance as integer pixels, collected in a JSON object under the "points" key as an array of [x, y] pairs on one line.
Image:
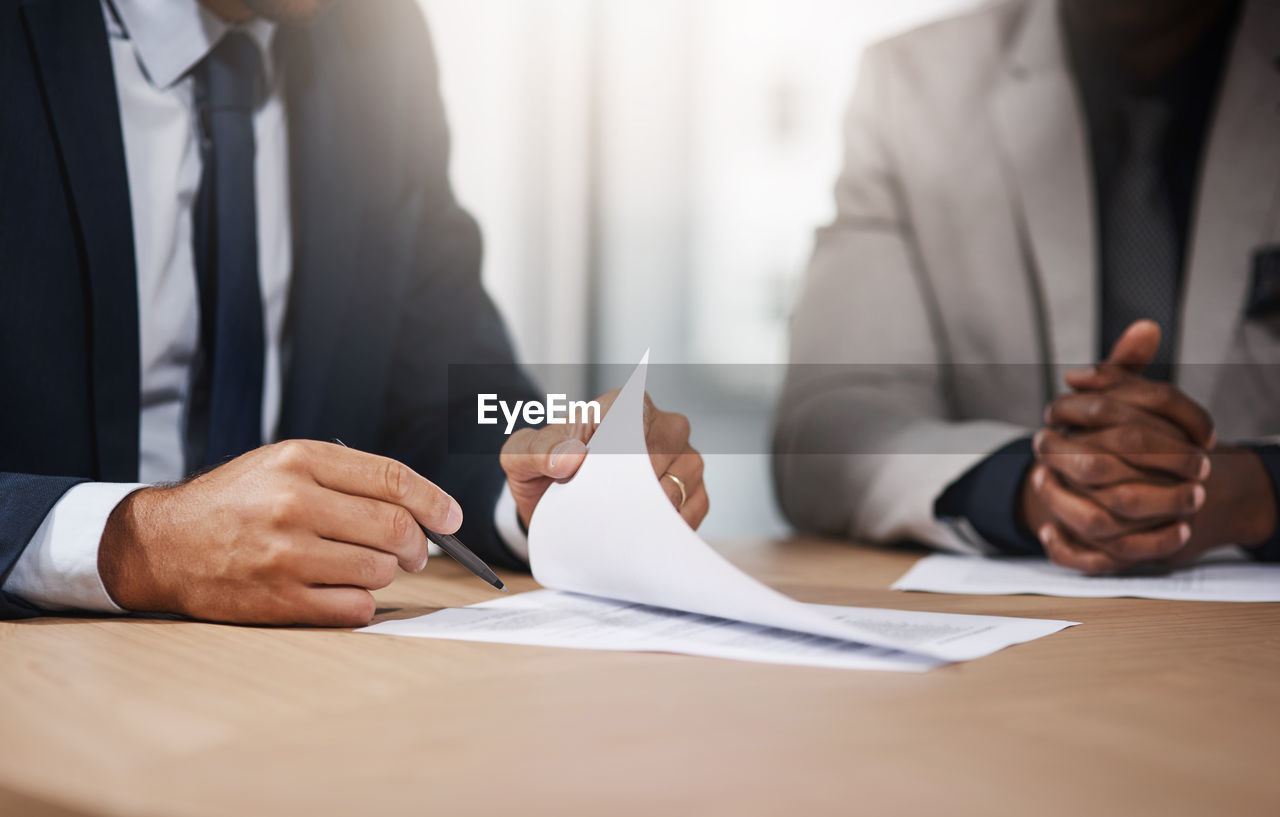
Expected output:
{"points": [[684, 494]]}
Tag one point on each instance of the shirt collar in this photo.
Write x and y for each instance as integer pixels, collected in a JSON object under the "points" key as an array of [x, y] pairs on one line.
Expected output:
{"points": [[171, 36]]}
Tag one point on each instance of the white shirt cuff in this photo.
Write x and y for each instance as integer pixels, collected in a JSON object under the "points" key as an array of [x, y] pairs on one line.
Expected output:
{"points": [[58, 570], [507, 520]]}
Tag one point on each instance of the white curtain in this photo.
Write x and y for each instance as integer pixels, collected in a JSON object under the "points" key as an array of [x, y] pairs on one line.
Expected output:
{"points": [[648, 174]]}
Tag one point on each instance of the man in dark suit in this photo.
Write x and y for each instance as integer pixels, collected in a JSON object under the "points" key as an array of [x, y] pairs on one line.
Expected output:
{"points": [[227, 222]]}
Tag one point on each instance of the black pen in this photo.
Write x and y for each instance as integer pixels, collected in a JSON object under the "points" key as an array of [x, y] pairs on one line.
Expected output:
{"points": [[451, 545]]}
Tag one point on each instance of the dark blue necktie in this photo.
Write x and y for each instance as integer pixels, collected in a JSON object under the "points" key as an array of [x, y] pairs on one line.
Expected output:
{"points": [[225, 417]]}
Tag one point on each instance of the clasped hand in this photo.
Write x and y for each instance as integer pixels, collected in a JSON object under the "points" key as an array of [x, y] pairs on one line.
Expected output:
{"points": [[1129, 471]]}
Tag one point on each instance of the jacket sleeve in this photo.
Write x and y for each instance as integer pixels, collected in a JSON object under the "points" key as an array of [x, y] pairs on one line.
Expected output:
{"points": [[866, 436], [25, 500], [1269, 453], [987, 498]]}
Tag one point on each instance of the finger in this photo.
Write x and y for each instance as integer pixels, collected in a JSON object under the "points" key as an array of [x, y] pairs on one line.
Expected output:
{"points": [[695, 510], [1096, 378], [1079, 462], [1090, 525], [1095, 410], [1170, 403], [1130, 356], [661, 435], [649, 413], [607, 400], [1064, 549], [1148, 502], [360, 474], [688, 468], [373, 523], [584, 429], [1137, 346], [1075, 513], [667, 439], [1149, 545], [341, 563], [335, 606], [551, 452], [1147, 449], [672, 491]]}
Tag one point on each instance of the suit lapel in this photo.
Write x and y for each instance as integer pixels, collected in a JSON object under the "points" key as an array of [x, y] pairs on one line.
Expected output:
{"points": [[1040, 128], [69, 39], [1240, 187]]}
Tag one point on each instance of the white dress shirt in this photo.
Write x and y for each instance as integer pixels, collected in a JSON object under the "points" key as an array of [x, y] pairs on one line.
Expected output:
{"points": [[154, 45]]}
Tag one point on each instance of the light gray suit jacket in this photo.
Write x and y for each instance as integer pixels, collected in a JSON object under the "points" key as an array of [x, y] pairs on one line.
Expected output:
{"points": [[959, 279]]}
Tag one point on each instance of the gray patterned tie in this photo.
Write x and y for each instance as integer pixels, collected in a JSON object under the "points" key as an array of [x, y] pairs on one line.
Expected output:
{"points": [[1140, 254]]}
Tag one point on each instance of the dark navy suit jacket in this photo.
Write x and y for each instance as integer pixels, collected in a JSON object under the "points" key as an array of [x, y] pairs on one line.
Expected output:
{"points": [[386, 289]]}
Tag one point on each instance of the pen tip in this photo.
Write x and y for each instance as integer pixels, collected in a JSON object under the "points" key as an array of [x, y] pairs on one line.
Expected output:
{"points": [[504, 589]]}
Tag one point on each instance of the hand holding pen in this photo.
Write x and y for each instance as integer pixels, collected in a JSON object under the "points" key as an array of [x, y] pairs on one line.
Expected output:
{"points": [[451, 545], [296, 532]]}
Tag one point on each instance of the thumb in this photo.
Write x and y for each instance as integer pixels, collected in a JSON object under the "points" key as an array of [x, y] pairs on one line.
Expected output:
{"points": [[551, 452], [1137, 347], [1131, 354]]}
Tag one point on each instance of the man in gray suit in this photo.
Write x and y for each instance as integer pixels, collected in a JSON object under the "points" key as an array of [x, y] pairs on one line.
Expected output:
{"points": [[1023, 185]]}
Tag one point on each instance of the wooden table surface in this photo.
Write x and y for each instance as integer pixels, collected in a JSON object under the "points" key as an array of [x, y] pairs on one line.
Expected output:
{"points": [[1149, 707]]}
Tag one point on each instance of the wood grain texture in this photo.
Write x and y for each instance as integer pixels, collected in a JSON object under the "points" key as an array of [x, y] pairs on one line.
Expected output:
{"points": [[1149, 707]]}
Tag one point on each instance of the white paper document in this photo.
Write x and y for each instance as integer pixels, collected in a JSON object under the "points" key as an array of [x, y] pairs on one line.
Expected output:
{"points": [[550, 618], [1228, 580], [626, 572]]}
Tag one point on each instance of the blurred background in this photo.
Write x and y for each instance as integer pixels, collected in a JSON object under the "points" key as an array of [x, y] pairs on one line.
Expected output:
{"points": [[649, 175]]}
